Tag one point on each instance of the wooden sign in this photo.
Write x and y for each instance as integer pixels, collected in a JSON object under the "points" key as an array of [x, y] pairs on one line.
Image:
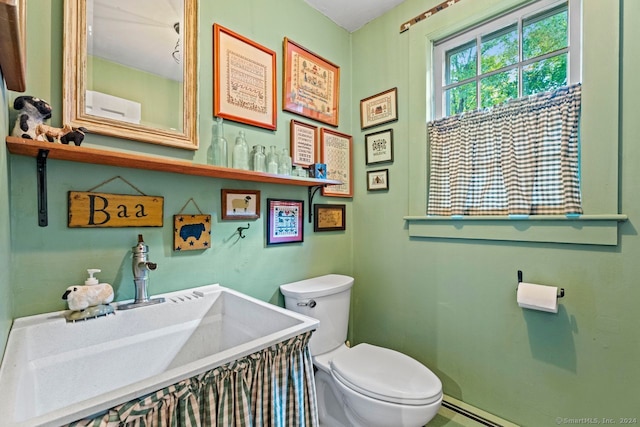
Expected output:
{"points": [[191, 232], [96, 210]]}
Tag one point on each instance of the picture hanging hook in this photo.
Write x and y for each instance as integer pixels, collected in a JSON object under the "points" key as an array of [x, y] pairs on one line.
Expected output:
{"points": [[241, 229]]}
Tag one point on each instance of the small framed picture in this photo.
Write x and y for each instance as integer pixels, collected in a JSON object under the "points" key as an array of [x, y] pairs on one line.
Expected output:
{"points": [[285, 224], [240, 204], [191, 232], [378, 109], [336, 152], [378, 180], [329, 217], [379, 147], [304, 144]]}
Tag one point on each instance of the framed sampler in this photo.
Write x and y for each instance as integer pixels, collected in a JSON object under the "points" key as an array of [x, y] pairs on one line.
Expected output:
{"points": [[311, 84], [244, 80]]}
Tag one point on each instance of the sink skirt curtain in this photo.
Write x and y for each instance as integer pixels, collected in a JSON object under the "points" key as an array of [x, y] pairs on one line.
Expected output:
{"points": [[273, 387]]}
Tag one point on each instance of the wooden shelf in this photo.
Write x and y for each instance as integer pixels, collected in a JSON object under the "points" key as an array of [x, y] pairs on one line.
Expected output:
{"points": [[27, 147]]}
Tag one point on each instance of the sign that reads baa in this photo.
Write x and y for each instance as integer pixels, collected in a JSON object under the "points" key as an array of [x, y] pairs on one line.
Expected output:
{"points": [[97, 210]]}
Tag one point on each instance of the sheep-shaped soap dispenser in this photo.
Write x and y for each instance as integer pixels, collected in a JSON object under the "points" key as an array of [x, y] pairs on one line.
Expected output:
{"points": [[89, 300]]}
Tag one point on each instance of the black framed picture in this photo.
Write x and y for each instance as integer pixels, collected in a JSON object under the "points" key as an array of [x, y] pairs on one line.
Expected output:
{"points": [[379, 147]]}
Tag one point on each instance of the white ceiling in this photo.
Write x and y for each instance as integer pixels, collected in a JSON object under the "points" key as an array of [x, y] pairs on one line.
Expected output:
{"points": [[115, 28], [353, 14]]}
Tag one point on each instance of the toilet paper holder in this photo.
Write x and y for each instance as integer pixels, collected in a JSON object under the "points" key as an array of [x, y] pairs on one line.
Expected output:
{"points": [[560, 290]]}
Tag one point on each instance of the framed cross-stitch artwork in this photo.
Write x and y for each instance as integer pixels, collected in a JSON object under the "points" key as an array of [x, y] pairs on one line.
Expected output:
{"points": [[285, 223], [244, 80], [311, 84], [378, 109], [336, 150], [379, 147]]}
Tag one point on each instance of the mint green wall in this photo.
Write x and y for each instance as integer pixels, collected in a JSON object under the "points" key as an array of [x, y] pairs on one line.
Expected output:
{"points": [[47, 260], [451, 303], [6, 298]]}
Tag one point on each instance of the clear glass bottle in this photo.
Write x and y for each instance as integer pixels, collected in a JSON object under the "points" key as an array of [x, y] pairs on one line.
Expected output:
{"points": [[284, 163], [259, 159], [219, 154], [240, 158], [272, 160]]}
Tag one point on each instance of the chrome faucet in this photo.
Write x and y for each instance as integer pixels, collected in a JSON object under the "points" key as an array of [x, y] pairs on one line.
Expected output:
{"points": [[141, 267]]}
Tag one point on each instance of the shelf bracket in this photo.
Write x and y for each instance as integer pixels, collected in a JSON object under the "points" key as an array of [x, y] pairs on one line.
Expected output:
{"points": [[312, 193], [41, 168]]}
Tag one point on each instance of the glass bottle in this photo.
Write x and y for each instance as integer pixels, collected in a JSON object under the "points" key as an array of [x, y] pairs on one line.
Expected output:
{"points": [[240, 159], [272, 160], [284, 163], [259, 159], [219, 145]]}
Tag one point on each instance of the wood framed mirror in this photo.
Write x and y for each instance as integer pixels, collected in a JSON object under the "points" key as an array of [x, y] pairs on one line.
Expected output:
{"points": [[130, 69]]}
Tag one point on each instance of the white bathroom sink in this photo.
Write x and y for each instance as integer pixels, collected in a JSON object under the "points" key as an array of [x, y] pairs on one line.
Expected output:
{"points": [[55, 372]]}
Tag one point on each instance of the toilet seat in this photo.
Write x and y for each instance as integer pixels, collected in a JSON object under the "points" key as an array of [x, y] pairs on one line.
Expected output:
{"points": [[387, 375]]}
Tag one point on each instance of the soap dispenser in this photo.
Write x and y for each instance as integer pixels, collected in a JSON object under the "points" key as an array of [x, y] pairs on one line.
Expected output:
{"points": [[91, 280], [91, 300]]}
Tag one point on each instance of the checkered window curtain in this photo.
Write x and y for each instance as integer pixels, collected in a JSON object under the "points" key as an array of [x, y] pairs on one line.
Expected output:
{"points": [[273, 387], [519, 158]]}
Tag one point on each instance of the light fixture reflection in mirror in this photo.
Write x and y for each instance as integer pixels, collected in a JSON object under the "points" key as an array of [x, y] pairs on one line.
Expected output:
{"points": [[130, 69]]}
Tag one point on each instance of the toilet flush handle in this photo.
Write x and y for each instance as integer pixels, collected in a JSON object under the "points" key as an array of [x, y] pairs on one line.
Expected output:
{"points": [[311, 303]]}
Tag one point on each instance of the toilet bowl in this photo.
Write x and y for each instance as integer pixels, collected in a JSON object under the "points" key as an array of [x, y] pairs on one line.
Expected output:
{"points": [[365, 385]]}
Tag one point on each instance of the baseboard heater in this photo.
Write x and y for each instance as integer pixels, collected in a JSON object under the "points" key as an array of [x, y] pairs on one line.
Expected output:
{"points": [[477, 415]]}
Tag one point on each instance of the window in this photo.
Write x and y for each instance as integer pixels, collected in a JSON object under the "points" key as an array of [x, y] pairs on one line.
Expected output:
{"points": [[530, 50], [508, 144]]}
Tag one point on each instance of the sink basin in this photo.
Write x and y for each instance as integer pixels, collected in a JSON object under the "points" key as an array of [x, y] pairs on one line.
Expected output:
{"points": [[55, 372]]}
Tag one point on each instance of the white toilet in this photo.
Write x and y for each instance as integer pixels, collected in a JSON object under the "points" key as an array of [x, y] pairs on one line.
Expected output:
{"points": [[364, 385]]}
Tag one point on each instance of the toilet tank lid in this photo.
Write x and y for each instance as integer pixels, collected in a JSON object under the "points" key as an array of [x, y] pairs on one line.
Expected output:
{"points": [[317, 286]]}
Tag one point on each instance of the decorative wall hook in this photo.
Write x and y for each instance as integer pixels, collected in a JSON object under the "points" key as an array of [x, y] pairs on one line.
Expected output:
{"points": [[241, 229]]}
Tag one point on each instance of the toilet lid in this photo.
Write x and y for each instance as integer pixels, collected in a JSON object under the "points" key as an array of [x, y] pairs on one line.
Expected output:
{"points": [[387, 375]]}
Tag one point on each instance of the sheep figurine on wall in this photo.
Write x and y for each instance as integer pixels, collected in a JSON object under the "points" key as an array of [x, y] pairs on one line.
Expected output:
{"points": [[241, 203]]}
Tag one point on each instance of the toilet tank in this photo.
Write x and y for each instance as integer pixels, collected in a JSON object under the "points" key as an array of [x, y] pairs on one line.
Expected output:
{"points": [[327, 299]]}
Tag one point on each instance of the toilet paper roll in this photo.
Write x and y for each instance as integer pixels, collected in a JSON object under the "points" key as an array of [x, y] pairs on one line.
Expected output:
{"points": [[538, 297]]}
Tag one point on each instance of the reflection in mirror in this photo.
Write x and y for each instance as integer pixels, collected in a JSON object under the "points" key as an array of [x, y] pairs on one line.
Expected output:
{"points": [[130, 69]]}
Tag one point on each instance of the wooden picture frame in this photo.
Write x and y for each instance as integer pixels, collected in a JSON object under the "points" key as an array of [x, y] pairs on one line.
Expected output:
{"points": [[378, 180], [244, 80], [286, 221], [329, 217], [378, 109], [311, 84], [304, 144], [336, 152], [240, 204], [378, 147]]}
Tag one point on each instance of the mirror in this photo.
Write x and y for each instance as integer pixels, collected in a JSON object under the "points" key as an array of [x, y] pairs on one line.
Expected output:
{"points": [[130, 69]]}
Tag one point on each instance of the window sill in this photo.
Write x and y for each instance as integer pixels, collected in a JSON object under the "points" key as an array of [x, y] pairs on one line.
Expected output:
{"points": [[581, 230]]}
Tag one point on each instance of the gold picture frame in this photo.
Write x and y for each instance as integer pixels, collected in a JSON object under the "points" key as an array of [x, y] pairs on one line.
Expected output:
{"points": [[244, 80], [311, 84]]}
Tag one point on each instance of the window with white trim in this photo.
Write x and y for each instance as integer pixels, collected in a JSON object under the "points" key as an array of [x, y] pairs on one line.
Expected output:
{"points": [[536, 48], [508, 100]]}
